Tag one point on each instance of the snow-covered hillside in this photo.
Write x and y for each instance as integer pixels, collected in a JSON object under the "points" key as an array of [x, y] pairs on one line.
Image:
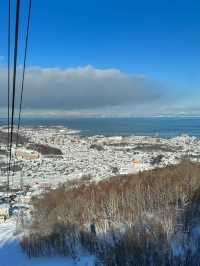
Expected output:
{"points": [[12, 255]]}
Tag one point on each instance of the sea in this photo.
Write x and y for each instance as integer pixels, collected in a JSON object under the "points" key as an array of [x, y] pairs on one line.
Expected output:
{"points": [[165, 127]]}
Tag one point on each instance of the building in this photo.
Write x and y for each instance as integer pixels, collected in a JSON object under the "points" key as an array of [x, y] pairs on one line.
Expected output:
{"points": [[23, 154]]}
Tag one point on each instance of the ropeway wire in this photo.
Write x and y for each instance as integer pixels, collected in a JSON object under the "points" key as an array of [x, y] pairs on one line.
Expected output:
{"points": [[23, 73], [8, 84], [14, 86], [23, 78]]}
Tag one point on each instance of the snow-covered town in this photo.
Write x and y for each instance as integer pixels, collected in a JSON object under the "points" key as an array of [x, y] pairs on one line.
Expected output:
{"points": [[53, 155]]}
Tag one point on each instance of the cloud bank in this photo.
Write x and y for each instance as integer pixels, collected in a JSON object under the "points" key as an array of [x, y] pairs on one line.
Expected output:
{"points": [[80, 88]]}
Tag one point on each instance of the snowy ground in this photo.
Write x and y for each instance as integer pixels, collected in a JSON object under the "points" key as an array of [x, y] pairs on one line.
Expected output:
{"points": [[12, 255]]}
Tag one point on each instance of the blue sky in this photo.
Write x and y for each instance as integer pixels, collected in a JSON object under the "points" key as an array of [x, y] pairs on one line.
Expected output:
{"points": [[158, 39]]}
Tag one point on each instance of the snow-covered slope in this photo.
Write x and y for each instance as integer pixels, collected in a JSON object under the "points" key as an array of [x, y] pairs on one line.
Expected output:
{"points": [[12, 255]]}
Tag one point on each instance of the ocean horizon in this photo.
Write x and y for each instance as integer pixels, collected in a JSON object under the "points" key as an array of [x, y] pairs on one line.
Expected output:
{"points": [[165, 127]]}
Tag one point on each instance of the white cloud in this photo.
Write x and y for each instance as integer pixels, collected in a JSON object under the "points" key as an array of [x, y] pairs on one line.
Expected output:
{"points": [[81, 87]]}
